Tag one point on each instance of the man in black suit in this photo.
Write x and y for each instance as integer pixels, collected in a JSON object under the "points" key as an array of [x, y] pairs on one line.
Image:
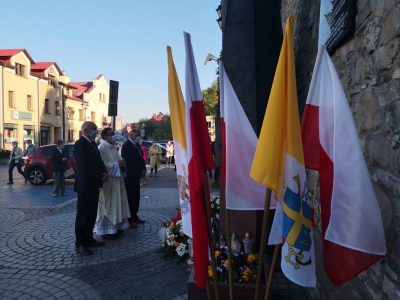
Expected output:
{"points": [[90, 176], [135, 170]]}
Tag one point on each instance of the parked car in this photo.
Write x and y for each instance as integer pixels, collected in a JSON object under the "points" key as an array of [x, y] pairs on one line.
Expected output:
{"points": [[39, 167]]}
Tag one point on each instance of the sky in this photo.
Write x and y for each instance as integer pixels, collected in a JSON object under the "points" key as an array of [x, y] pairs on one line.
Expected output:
{"points": [[125, 40]]}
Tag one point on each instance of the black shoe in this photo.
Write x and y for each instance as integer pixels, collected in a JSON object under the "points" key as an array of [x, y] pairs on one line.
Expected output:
{"points": [[26, 179], [111, 236], [10, 182], [120, 232], [83, 250], [95, 243]]}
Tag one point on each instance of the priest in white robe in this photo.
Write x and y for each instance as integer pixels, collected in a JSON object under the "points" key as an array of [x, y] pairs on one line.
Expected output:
{"points": [[113, 209]]}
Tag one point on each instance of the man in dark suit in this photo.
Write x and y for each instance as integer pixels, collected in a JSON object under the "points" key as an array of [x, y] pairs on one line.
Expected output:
{"points": [[91, 174], [135, 170]]}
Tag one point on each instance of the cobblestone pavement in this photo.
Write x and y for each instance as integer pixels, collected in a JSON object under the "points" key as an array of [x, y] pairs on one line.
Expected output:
{"points": [[37, 252]]}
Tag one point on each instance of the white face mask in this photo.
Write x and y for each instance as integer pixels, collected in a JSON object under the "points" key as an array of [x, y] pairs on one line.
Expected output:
{"points": [[14, 146]]}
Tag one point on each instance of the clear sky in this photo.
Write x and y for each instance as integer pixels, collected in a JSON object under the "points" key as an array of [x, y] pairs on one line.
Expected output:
{"points": [[123, 39]]}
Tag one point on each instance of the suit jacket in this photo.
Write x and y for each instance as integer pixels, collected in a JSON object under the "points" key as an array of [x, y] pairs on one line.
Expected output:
{"points": [[134, 163], [90, 167], [56, 158]]}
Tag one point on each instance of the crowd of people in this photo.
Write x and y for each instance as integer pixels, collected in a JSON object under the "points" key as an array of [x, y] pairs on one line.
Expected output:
{"points": [[119, 176], [108, 180]]}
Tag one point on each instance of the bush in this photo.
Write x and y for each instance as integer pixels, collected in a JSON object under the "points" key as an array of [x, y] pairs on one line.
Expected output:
{"points": [[5, 153]]}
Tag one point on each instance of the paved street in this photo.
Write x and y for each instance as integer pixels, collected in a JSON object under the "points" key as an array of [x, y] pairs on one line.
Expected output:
{"points": [[37, 251]]}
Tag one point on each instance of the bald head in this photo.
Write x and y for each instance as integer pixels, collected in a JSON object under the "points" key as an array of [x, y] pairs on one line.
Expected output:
{"points": [[87, 128]]}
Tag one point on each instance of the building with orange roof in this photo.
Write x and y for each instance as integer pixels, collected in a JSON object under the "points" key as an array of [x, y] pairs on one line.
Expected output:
{"points": [[40, 103]]}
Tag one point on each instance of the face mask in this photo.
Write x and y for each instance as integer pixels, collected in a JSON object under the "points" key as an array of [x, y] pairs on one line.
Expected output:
{"points": [[29, 144], [137, 140], [114, 138], [62, 147], [14, 146], [94, 133], [154, 144]]}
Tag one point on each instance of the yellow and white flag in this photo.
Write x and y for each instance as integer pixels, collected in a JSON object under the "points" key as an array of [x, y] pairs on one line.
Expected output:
{"points": [[178, 123], [279, 165]]}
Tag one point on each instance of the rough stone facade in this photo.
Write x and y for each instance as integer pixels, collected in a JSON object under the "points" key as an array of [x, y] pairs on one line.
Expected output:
{"points": [[368, 65]]}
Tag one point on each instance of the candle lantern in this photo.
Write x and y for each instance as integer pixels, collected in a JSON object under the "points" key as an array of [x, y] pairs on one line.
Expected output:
{"points": [[248, 243], [190, 260], [235, 244], [162, 233]]}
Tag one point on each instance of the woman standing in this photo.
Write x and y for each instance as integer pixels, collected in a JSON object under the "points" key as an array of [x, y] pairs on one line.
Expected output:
{"points": [[154, 151], [15, 161], [145, 156], [170, 153], [59, 157]]}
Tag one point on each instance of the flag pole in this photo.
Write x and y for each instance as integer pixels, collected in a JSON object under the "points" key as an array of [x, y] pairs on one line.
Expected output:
{"points": [[208, 289], [263, 240], [228, 241], [271, 271], [210, 236]]}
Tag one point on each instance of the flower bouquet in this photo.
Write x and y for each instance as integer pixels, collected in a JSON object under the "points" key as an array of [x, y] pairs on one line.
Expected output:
{"points": [[176, 244], [244, 267], [215, 206]]}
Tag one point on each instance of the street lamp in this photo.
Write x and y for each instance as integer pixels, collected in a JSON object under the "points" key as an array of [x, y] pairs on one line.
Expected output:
{"points": [[85, 105], [219, 12]]}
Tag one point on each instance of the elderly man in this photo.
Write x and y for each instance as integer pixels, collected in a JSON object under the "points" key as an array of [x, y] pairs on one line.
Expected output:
{"points": [[91, 174], [135, 170], [30, 148]]}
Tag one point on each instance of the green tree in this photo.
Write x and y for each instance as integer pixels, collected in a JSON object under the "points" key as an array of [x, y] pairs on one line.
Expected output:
{"points": [[210, 97], [164, 129], [148, 125]]}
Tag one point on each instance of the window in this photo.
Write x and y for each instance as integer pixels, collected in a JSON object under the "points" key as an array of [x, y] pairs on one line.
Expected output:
{"points": [[20, 69], [11, 99], [58, 108], [70, 135], [93, 116], [46, 106], [30, 104], [51, 80], [71, 112], [81, 115], [208, 124]]}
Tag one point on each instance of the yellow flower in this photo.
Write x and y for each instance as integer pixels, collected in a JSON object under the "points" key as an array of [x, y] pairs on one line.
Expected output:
{"points": [[246, 273], [226, 262], [176, 244], [217, 253], [171, 238], [172, 224], [210, 271], [250, 258], [245, 278]]}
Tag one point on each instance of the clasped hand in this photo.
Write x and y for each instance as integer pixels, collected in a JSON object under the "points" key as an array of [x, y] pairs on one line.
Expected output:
{"points": [[105, 178]]}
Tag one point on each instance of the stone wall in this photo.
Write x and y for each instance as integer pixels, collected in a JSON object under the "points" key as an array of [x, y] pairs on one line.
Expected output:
{"points": [[368, 65]]}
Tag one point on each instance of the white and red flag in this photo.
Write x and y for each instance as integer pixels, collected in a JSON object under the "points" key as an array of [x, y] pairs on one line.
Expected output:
{"points": [[200, 159], [239, 145], [351, 220]]}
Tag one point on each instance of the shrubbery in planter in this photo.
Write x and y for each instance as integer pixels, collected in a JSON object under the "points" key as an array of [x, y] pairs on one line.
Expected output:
{"points": [[5, 153]]}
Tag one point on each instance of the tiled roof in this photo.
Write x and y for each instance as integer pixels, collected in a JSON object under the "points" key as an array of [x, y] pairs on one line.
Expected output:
{"points": [[7, 53], [74, 98], [81, 87]]}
